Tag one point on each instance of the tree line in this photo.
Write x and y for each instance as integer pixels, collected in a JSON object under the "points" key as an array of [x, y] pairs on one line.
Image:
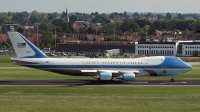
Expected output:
{"points": [[46, 21]]}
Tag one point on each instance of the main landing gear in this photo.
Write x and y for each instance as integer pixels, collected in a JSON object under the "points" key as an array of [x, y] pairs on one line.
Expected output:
{"points": [[105, 81], [172, 80]]}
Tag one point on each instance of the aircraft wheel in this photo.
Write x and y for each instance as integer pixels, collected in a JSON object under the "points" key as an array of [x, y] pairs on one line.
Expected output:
{"points": [[172, 80], [110, 81], [105, 81]]}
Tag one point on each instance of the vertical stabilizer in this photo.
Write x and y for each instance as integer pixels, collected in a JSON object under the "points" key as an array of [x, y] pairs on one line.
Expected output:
{"points": [[24, 48]]}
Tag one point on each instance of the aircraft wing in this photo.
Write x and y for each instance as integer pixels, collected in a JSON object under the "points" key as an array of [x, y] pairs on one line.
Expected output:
{"points": [[127, 75]]}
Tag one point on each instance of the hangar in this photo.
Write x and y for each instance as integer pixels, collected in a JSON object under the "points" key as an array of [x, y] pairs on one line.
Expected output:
{"points": [[92, 47]]}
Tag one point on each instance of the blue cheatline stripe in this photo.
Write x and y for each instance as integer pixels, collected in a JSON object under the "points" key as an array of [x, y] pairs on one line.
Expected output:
{"points": [[38, 54]]}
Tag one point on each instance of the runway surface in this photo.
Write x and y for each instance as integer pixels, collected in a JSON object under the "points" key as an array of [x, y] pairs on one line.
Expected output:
{"points": [[96, 83]]}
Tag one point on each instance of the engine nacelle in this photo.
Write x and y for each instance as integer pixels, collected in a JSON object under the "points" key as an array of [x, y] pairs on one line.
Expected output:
{"points": [[104, 76], [127, 77]]}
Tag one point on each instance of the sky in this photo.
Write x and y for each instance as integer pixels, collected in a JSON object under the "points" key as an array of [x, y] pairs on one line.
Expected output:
{"points": [[101, 6]]}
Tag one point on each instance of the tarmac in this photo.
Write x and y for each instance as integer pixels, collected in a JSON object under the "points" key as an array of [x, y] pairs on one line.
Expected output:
{"points": [[72, 82]]}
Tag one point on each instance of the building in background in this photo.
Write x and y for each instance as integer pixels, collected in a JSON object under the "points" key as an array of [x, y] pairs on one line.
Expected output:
{"points": [[94, 47], [190, 48], [156, 48], [180, 48]]}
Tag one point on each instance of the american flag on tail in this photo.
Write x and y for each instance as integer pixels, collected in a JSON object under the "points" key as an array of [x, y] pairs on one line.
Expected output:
{"points": [[21, 45]]}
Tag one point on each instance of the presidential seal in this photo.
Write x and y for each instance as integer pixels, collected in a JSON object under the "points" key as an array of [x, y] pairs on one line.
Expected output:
{"points": [[164, 71]]}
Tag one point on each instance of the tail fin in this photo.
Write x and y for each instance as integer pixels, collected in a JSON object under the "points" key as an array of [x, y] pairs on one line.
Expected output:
{"points": [[24, 48]]}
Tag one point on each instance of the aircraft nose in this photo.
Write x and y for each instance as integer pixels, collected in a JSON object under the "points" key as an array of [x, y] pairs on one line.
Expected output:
{"points": [[188, 65]]}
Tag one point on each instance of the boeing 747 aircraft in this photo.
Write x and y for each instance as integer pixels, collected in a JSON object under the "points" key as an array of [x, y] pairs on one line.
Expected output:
{"points": [[103, 69]]}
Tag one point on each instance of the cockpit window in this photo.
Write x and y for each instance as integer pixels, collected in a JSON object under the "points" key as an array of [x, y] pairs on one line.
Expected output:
{"points": [[179, 59]]}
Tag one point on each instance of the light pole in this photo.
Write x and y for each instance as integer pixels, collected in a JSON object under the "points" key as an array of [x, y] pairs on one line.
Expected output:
{"points": [[146, 33], [96, 33], [55, 37], [106, 43], [114, 33]]}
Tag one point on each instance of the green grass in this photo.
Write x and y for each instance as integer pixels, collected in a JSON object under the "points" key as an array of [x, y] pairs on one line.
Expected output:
{"points": [[196, 66], [6, 62], [99, 99], [8, 65], [26, 73], [6, 58]]}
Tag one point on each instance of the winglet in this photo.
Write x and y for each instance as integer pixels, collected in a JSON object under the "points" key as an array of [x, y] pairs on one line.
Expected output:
{"points": [[23, 47]]}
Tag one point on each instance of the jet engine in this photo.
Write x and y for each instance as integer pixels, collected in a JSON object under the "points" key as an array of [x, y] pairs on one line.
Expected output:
{"points": [[127, 77], [104, 76]]}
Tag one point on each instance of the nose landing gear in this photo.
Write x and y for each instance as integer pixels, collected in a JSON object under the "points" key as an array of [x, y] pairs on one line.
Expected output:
{"points": [[172, 80]]}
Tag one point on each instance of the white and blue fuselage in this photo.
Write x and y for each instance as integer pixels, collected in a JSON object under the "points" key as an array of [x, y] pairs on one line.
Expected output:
{"points": [[146, 66]]}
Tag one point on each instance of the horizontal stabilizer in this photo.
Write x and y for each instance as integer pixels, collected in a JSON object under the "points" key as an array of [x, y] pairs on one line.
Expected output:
{"points": [[24, 62]]}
